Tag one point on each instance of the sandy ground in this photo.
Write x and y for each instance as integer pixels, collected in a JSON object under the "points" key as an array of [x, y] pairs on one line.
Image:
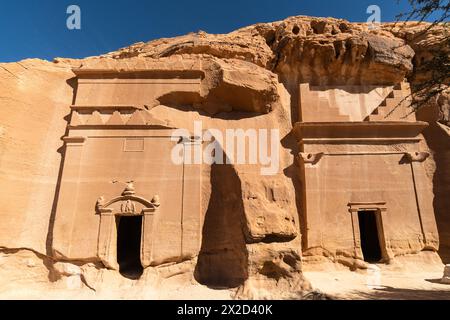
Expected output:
{"points": [[416, 277], [337, 284], [195, 292], [409, 278], [176, 288], [392, 285]]}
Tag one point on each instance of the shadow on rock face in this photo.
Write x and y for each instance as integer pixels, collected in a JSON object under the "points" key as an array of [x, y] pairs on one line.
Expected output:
{"points": [[439, 143], [222, 262]]}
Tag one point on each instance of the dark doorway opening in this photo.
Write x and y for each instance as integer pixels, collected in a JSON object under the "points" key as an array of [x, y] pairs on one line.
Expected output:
{"points": [[370, 241], [129, 246]]}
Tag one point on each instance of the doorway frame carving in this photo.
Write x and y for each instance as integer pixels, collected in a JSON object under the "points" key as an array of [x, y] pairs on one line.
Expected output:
{"points": [[380, 209], [107, 235]]}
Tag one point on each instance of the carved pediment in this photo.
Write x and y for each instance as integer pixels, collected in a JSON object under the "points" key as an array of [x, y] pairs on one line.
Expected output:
{"points": [[127, 204]]}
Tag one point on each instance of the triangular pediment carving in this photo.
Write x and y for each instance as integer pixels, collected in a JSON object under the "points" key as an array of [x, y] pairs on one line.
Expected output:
{"points": [[95, 119], [136, 119], [115, 120]]}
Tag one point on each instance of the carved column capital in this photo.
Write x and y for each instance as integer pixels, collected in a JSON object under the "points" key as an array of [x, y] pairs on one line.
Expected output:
{"points": [[191, 140], [74, 140], [417, 156], [311, 158]]}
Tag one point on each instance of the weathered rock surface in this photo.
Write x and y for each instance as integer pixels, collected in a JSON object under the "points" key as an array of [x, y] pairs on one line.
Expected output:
{"points": [[446, 277], [35, 99], [315, 50], [251, 231]]}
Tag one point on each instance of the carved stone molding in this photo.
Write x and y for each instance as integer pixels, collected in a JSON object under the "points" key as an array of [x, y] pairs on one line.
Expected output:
{"points": [[313, 158], [367, 206], [74, 140], [113, 116]]}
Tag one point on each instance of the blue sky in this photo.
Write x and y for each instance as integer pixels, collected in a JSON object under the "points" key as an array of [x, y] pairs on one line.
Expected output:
{"points": [[37, 28]]}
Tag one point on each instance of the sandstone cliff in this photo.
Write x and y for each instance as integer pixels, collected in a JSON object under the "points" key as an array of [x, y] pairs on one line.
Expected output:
{"points": [[261, 66]]}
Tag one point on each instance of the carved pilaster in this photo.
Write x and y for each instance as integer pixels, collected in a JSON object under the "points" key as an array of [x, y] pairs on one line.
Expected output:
{"points": [[68, 194], [190, 216]]}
